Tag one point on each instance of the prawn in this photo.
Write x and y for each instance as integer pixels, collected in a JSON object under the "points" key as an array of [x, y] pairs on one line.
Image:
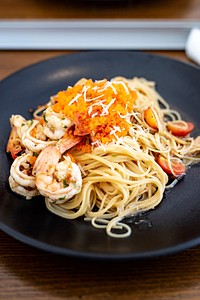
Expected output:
{"points": [[34, 138], [26, 134], [21, 179], [58, 178], [15, 145], [55, 124]]}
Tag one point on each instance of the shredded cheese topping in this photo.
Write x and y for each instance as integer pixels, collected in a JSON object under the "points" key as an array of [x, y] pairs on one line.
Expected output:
{"points": [[99, 108]]}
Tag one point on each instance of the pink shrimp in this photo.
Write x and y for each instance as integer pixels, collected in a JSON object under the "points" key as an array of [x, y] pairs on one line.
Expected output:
{"points": [[57, 177]]}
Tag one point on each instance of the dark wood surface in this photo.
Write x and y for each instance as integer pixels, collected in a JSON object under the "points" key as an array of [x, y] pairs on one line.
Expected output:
{"points": [[167, 9], [30, 273]]}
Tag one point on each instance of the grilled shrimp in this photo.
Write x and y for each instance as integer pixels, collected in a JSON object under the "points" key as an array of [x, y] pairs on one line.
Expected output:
{"points": [[34, 138], [57, 177], [21, 179], [56, 124], [19, 126], [26, 134]]}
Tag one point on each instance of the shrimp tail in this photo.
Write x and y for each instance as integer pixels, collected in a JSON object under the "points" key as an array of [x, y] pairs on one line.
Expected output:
{"points": [[67, 143]]}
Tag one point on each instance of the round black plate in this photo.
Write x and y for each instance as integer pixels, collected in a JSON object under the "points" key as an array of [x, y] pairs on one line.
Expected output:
{"points": [[173, 226]]}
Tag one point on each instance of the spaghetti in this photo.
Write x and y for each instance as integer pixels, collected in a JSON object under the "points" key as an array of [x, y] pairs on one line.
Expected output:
{"points": [[104, 150]]}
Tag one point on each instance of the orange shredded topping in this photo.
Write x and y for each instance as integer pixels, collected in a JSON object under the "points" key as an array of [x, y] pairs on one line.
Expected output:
{"points": [[32, 160], [33, 132], [98, 108], [71, 157], [41, 121], [84, 147]]}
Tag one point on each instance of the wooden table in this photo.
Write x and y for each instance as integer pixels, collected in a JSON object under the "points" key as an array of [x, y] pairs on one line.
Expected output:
{"points": [[29, 273], [134, 9]]}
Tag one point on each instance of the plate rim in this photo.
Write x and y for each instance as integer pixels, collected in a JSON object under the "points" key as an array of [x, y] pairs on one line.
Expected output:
{"points": [[189, 64], [63, 251]]}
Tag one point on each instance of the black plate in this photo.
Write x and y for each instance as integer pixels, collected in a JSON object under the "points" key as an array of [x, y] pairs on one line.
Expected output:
{"points": [[173, 226]]}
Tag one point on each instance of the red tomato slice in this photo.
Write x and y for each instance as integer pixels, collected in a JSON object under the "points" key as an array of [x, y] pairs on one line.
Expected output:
{"points": [[13, 146], [179, 129], [150, 118], [177, 166], [15, 152]]}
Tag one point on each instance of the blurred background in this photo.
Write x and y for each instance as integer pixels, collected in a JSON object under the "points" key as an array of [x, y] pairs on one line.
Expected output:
{"points": [[17, 37], [101, 9]]}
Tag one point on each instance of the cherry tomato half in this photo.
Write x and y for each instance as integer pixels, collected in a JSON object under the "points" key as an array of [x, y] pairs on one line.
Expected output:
{"points": [[150, 118], [179, 128], [177, 166]]}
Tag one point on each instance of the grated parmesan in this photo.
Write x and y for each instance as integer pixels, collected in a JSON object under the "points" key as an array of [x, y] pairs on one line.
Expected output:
{"points": [[101, 109]]}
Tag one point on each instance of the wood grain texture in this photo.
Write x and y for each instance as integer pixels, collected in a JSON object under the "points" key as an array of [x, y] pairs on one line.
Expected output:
{"points": [[28, 273], [167, 9]]}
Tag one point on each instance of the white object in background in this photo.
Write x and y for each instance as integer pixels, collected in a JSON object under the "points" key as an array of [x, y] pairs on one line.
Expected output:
{"points": [[193, 45], [95, 34]]}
